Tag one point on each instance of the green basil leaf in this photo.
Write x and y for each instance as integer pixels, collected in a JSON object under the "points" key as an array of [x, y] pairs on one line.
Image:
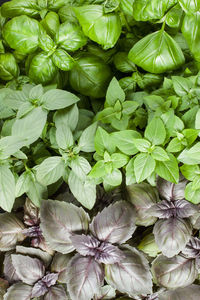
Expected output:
{"points": [[114, 93], [159, 154], [9, 145], [125, 141], [98, 170], [36, 191], [42, 69], [157, 53], [168, 169], [181, 85], [50, 170], [123, 64], [189, 171], [62, 60], [190, 6], [70, 37], [197, 120], [104, 141], [19, 7], [21, 33], [174, 16], [7, 188], [155, 131], [104, 29], [119, 160], [144, 165], [80, 166], [196, 183], [130, 174], [142, 145], [191, 32], [86, 141], [83, 190], [64, 137], [8, 67], [190, 156], [67, 116], [192, 195], [175, 145], [51, 23], [22, 184], [57, 99], [113, 179]]}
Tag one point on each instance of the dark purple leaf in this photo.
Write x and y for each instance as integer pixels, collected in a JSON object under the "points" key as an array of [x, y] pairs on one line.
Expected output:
{"points": [[115, 223], [171, 191], [10, 231], [28, 269], [56, 293], [132, 275], [142, 196], [85, 277], [191, 292], [18, 291], [9, 270], [39, 289], [174, 272], [59, 220], [171, 235], [50, 279], [59, 265], [167, 209], [33, 231], [192, 249], [101, 251]]}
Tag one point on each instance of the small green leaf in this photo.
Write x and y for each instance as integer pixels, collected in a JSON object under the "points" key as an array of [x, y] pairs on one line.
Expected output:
{"points": [[113, 179], [142, 145], [189, 171], [125, 141], [64, 136], [144, 165], [114, 93], [197, 120], [9, 145], [175, 145], [196, 183], [130, 174], [159, 154], [181, 85], [62, 60], [22, 184], [168, 169], [190, 156], [86, 141], [192, 195], [80, 166], [104, 141], [50, 170], [98, 170], [155, 132], [119, 160], [7, 188]]}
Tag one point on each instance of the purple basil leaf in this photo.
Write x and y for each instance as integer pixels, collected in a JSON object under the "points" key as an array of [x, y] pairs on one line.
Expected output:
{"points": [[142, 196], [39, 289], [171, 235], [192, 249], [10, 231], [33, 231], [85, 277], [31, 213], [59, 265], [174, 272], [18, 291], [28, 269], [59, 220], [106, 292], [191, 292], [56, 293], [167, 209], [37, 253], [102, 252], [132, 275], [9, 270], [171, 191], [50, 279], [115, 223]]}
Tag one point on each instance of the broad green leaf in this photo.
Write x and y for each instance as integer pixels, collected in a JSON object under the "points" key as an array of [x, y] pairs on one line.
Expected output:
{"points": [[175, 145], [191, 32], [62, 60], [125, 141], [142, 145], [80, 166], [155, 131], [196, 183], [36, 191], [7, 188], [190, 6], [36, 92], [130, 174], [45, 42], [70, 36], [51, 23], [64, 136], [159, 154], [189, 171], [174, 16], [144, 10], [21, 34], [30, 126], [18, 7], [57, 99], [50, 170], [83, 190], [157, 53], [9, 145], [24, 109], [197, 120], [104, 29], [104, 141], [144, 165], [190, 156], [153, 101], [114, 178], [168, 169], [41, 68], [8, 67], [114, 93], [86, 141], [22, 184], [123, 64]]}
